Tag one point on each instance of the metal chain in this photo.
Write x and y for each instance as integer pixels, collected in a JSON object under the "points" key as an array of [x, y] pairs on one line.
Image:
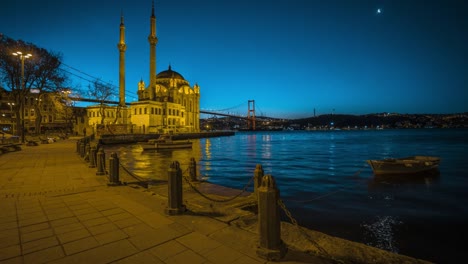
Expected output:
{"points": [[218, 200], [303, 233]]}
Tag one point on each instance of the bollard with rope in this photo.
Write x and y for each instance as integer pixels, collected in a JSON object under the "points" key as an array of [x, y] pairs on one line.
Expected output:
{"points": [[86, 156], [82, 148], [78, 146], [258, 175], [92, 157], [174, 187], [270, 247], [114, 170], [101, 162]]}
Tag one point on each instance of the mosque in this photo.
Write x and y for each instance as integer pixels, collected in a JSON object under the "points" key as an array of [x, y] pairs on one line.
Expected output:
{"points": [[166, 104]]}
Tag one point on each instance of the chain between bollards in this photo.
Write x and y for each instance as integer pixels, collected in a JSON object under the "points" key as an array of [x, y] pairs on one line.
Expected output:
{"points": [[270, 247], [174, 189]]}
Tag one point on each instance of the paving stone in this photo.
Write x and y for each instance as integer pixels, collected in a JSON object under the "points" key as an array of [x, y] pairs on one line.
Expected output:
{"points": [[6, 234], [187, 256], [103, 254], [16, 260], [154, 219], [81, 206], [36, 227], [37, 235], [248, 260], [89, 216], [80, 245], [127, 222], [113, 211], [103, 228], [222, 254], [73, 235], [9, 219], [121, 216], [109, 237], [95, 221], [141, 258], [153, 238], [138, 229], [203, 225], [10, 252], [63, 221], [167, 250], [32, 221], [198, 242], [8, 225], [68, 228], [39, 244], [58, 216], [59, 211], [44, 256]]}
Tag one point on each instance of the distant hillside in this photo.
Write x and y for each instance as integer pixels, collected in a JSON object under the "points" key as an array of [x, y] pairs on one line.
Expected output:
{"points": [[386, 120]]}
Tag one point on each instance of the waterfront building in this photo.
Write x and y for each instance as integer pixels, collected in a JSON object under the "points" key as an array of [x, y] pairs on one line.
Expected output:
{"points": [[167, 104], [43, 112]]}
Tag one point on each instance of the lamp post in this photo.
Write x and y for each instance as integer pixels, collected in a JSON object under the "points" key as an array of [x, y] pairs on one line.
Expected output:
{"points": [[22, 57]]}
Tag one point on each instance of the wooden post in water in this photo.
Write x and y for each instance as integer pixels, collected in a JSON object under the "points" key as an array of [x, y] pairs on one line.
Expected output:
{"points": [[174, 187], [271, 247]]}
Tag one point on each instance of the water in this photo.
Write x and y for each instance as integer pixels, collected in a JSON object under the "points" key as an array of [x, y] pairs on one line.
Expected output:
{"points": [[327, 186]]}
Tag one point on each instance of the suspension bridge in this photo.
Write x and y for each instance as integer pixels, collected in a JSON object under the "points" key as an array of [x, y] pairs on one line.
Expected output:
{"points": [[250, 117]]}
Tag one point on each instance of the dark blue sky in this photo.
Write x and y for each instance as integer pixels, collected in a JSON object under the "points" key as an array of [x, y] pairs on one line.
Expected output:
{"points": [[290, 56]]}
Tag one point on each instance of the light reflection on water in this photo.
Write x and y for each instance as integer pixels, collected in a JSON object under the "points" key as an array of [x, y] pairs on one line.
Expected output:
{"points": [[326, 184]]}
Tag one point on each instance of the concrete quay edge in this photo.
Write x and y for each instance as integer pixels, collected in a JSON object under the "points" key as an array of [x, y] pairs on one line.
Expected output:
{"points": [[55, 209]]}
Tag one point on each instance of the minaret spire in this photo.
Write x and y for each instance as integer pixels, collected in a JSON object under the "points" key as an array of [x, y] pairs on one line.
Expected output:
{"points": [[122, 47], [153, 40]]}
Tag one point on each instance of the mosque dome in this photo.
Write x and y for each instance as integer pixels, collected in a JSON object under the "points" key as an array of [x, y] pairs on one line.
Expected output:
{"points": [[169, 73]]}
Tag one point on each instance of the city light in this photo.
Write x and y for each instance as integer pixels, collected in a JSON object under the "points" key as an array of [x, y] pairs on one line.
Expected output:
{"points": [[22, 58]]}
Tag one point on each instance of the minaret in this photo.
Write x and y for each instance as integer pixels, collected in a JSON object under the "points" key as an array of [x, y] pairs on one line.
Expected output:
{"points": [[122, 47], [153, 40]]}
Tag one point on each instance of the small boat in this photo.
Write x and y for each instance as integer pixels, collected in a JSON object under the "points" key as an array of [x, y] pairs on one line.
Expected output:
{"points": [[404, 166], [165, 142]]}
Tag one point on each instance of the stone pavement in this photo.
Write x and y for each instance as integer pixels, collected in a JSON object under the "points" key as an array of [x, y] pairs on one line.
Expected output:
{"points": [[54, 209]]}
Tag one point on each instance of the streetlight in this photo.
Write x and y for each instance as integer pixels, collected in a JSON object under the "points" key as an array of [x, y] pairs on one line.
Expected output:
{"points": [[22, 57], [11, 106]]}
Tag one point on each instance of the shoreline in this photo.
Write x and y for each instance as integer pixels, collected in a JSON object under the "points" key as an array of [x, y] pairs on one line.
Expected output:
{"points": [[57, 209]]}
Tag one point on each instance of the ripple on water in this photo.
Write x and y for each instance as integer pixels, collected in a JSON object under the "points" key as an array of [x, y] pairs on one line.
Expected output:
{"points": [[380, 233]]}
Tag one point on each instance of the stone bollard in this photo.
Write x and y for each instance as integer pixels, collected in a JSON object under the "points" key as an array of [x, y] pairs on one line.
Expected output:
{"points": [[114, 170], [82, 149], [92, 157], [193, 170], [86, 157], [271, 247], [101, 162], [258, 175], [174, 186]]}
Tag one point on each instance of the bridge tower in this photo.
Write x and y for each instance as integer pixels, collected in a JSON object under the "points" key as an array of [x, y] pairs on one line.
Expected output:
{"points": [[251, 115]]}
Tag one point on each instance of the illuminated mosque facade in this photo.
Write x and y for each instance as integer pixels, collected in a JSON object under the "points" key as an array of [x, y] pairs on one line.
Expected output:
{"points": [[166, 104]]}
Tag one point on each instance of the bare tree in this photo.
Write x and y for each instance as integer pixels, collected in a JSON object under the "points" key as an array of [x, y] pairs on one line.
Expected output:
{"points": [[41, 73], [103, 93]]}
